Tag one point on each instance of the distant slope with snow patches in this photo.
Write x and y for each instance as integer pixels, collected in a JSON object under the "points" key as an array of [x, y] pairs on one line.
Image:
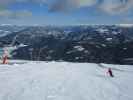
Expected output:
{"points": [[64, 81]]}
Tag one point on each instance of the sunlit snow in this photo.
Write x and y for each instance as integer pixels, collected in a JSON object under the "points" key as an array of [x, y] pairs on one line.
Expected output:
{"points": [[25, 80]]}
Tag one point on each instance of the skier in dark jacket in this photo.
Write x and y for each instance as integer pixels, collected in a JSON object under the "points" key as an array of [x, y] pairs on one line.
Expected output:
{"points": [[110, 72]]}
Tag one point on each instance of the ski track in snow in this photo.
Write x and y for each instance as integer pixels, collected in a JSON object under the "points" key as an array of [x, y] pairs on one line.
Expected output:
{"points": [[65, 81]]}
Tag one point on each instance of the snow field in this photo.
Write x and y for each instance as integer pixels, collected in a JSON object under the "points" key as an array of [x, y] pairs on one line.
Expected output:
{"points": [[65, 81]]}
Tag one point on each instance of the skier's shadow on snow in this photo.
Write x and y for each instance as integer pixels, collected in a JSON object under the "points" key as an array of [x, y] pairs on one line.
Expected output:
{"points": [[18, 63]]}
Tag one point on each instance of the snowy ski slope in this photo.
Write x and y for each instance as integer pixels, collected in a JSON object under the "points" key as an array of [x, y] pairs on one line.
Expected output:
{"points": [[64, 81]]}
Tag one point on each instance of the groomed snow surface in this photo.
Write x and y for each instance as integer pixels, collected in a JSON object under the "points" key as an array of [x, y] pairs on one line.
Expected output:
{"points": [[64, 81]]}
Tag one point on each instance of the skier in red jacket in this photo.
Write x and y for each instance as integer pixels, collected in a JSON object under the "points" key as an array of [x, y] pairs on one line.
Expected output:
{"points": [[5, 57], [110, 73]]}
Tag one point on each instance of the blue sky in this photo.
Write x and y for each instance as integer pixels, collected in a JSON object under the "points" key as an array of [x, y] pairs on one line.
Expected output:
{"points": [[66, 12]]}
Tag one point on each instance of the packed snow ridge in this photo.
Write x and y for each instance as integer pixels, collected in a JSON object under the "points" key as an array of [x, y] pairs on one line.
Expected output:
{"points": [[20, 80]]}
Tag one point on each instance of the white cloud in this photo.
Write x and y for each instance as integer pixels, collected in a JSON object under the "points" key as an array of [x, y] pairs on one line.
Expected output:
{"points": [[87, 2], [54, 4], [63, 5], [5, 2], [12, 14], [21, 14], [5, 13], [116, 6], [108, 6]]}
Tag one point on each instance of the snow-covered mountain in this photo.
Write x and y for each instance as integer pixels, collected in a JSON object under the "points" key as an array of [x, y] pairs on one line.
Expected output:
{"points": [[8, 29], [99, 43], [25, 80]]}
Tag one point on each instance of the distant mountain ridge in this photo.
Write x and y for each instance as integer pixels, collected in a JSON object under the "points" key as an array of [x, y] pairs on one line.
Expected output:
{"points": [[85, 43]]}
